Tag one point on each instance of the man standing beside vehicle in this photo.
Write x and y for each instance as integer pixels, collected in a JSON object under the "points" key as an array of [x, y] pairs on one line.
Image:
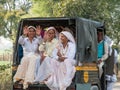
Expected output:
{"points": [[102, 55], [110, 65], [110, 75]]}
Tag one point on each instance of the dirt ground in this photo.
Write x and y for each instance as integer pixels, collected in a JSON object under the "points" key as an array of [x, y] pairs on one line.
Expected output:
{"points": [[117, 84], [118, 76]]}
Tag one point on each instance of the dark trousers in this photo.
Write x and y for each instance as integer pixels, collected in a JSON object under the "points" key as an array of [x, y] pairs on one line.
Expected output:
{"points": [[103, 80]]}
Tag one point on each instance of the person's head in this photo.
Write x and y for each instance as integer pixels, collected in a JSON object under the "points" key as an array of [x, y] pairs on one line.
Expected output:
{"points": [[51, 33], [31, 31], [63, 38], [66, 36], [100, 36]]}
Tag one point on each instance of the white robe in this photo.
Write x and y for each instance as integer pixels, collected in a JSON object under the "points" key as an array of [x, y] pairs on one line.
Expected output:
{"points": [[55, 74], [26, 68]]}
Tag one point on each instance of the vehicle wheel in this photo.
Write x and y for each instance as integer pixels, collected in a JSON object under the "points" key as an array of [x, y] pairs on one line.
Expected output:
{"points": [[94, 87]]}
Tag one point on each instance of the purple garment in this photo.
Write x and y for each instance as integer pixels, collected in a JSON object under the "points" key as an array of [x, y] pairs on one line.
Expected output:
{"points": [[42, 33]]}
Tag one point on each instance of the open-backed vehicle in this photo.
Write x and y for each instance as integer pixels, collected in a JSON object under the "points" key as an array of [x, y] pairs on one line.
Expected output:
{"points": [[85, 33]]}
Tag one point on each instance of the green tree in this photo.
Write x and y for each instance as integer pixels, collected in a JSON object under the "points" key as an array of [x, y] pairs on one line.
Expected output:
{"points": [[12, 10], [103, 10], [42, 8]]}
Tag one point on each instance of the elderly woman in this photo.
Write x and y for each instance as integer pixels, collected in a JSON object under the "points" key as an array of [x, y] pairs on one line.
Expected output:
{"points": [[57, 71], [29, 42]]}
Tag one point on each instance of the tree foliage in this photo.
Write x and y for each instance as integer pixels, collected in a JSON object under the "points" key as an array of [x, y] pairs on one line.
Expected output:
{"points": [[103, 10], [11, 12]]}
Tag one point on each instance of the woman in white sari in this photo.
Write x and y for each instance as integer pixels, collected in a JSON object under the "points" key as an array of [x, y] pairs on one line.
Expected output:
{"points": [[46, 48], [29, 42], [58, 71]]}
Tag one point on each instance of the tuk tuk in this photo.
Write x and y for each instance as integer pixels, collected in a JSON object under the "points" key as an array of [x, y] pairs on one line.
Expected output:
{"points": [[85, 33]]}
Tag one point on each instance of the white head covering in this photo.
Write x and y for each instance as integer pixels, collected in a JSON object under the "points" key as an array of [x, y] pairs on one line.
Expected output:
{"points": [[32, 27], [52, 28], [69, 36]]}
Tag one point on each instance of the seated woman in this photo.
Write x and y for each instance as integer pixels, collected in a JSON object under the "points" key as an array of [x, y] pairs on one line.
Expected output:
{"points": [[49, 43], [29, 42], [58, 71]]}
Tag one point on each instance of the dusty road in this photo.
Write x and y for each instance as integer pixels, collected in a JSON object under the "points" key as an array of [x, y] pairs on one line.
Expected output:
{"points": [[117, 84]]}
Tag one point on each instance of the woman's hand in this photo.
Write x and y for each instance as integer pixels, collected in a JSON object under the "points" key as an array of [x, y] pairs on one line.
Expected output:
{"points": [[25, 30], [62, 59], [38, 30], [59, 54], [45, 37], [99, 61]]}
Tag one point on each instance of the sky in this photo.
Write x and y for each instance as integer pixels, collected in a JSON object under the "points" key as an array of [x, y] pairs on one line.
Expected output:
{"points": [[5, 43]]}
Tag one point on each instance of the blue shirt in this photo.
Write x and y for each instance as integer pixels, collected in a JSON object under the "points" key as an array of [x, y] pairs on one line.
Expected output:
{"points": [[100, 48]]}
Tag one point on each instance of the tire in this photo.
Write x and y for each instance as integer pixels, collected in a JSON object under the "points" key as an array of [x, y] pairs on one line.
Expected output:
{"points": [[94, 87]]}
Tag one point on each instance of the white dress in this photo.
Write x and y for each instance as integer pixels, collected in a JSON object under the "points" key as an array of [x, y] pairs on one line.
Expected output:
{"points": [[26, 68], [58, 75], [47, 48]]}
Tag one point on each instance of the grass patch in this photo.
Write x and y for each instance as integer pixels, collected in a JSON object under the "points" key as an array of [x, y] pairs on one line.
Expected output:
{"points": [[4, 65], [6, 51], [4, 62], [6, 80]]}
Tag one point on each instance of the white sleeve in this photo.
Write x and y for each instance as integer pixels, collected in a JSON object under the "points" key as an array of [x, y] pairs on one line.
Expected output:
{"points": [[105, 56], [39, 39], [21, 40], [54, 54], [71, 52], [115, 56]]}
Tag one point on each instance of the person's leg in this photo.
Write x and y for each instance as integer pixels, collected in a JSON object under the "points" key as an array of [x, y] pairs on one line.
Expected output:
{"points": [[103, 82], [20, 74], [44, 70], [101, 69], [37, 65], [110, 85], [30, 73], [67, 71], [103, 79], [117, 67]]}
